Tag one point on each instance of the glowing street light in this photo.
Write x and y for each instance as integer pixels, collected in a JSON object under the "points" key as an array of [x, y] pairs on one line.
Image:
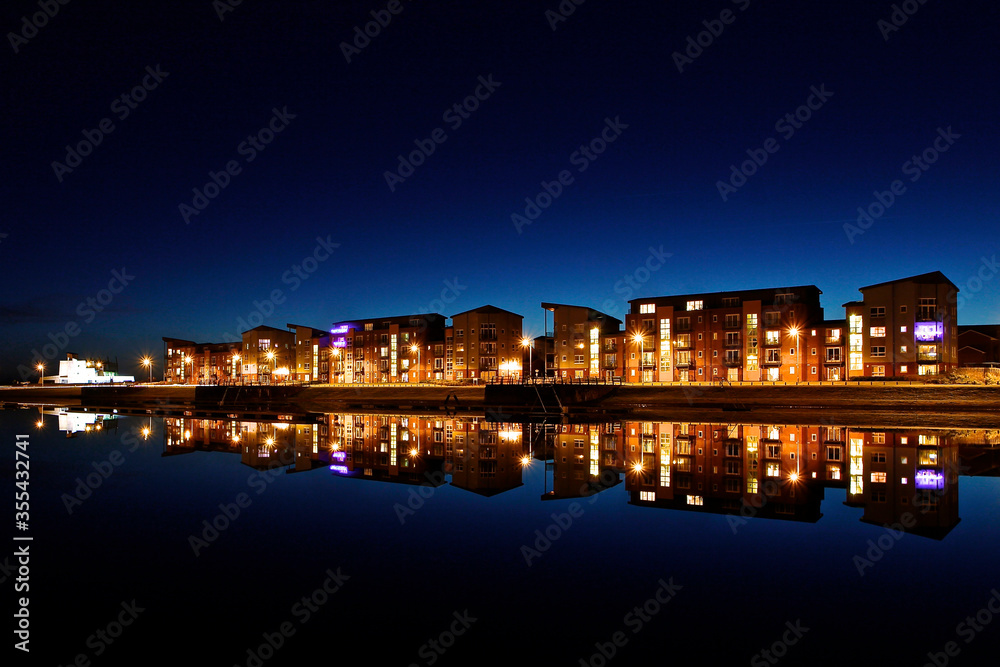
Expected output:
{"points": [[794, 332], [414, 452], [148, 363], [416, 349], [526, 344], [525, 461], [270, 358], [637, 466], [41, 373], [641, 339], [236, 365]]}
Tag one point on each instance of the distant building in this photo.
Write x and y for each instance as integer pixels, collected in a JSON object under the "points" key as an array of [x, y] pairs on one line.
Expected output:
{"points": [[89, 371], [979, 344], [904, 328], [187, 362]]}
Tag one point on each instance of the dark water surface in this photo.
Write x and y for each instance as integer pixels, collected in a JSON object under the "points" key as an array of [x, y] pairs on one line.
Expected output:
{"points": [[388, 551]]}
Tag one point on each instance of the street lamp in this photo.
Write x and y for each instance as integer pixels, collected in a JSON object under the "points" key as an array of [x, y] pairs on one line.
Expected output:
{"points": [[236, 365], [148, 363], [336, 363], [270, 359], [526, 344], [416, 348], [641, 339], [794, 332], [189, 360], [41, 373]]}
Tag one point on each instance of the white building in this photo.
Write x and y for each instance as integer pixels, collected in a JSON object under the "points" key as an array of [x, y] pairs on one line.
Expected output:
{"points": [[78, 371]]}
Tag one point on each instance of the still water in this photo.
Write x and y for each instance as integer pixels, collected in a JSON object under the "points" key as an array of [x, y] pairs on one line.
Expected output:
{"points": [[414, 539]]}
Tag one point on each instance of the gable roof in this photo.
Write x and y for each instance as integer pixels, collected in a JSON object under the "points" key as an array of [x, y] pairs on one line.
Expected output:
{"points": [[923, 279]]}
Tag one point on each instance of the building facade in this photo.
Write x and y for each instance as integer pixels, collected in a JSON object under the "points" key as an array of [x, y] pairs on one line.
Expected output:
{"points": [[749, 335], [268, 355], [904, 328], [484, 343], [187, 362], [585, 343], [408, 348]]}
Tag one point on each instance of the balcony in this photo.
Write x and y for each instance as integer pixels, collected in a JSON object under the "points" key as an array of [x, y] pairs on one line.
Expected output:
{"points": [[771, 361], [609, 364], [733, 362], [833, 360], [610, 346], [683, 344], [733, 342], [928, 356], [683, 363]]}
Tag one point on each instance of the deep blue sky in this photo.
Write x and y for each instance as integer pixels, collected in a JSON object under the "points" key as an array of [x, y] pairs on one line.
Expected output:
{"points": [[323, 175]]}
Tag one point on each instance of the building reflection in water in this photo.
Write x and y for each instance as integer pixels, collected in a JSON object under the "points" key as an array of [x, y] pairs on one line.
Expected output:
{"points": [[907, 479]]}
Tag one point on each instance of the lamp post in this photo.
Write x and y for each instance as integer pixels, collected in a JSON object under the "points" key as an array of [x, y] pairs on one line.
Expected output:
{"points": [[335, 351], [148, 363], [416, 348], [270, 360], [41, 373], [641, 339], [188, 360], [794, 332], [526, 343], [236, 366]]}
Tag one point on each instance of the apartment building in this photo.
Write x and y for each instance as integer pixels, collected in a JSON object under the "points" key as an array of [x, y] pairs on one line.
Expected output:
{"points": [[484, 343], [312, 354], [585, 342], [187, 362], [407, 348], [903, 328], [268, 355], [747, 335]]}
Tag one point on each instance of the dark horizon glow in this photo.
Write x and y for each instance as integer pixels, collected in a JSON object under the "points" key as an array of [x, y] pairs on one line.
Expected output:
{"points": [[444, 234]]}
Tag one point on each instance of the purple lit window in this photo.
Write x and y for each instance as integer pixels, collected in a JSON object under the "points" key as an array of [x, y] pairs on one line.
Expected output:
{"points": [[928, 331], [929, 479]]}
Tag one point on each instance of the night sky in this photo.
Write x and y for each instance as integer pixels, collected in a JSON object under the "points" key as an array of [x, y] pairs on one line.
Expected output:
{"points": [[640, 124]]}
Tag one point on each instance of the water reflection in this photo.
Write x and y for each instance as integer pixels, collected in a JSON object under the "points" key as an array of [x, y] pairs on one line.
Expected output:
{"points": [[904, 478]]}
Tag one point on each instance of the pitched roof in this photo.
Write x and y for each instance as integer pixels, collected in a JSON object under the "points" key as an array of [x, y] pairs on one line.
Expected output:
{"points": [[923, 279], [487, 309]]}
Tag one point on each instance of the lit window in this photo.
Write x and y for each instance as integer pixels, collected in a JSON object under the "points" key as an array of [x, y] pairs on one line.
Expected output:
{"points": [[902, 329], [902, 369], [877, 332], [902, 348], [695, 305], [648, 496], [878, 477], [647, 308], [695, 500]]}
